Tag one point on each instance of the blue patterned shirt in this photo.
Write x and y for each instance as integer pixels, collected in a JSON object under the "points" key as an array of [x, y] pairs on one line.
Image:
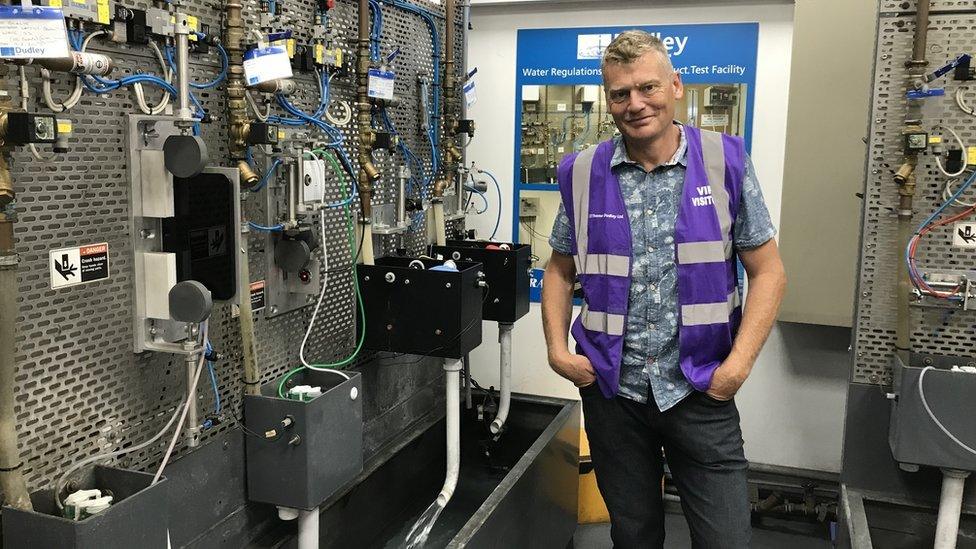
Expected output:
{"points": [[650, 364]]}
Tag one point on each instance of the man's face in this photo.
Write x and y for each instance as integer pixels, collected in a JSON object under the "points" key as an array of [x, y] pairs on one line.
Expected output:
{"points": [[641, 96]]}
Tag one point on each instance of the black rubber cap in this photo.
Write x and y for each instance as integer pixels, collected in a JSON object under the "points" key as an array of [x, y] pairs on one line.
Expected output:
{"points": [[185, 155], [190, 301]]}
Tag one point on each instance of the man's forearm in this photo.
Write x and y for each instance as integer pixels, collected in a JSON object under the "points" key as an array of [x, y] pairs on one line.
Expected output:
{"points": [[557, 307], [759, 314]]}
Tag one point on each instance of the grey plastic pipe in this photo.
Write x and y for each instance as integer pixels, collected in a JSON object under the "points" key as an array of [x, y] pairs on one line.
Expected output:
{"points": [[452, 374], [950, 507]]}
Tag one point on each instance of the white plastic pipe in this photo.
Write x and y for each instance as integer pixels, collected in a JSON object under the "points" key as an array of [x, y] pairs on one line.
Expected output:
{"points": [[505, 343], [950, 506], [440, 230], [452, 369], [308, 529]]}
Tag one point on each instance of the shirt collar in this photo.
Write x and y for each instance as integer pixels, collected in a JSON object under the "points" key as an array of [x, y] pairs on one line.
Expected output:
{"points": [[620, 151]]}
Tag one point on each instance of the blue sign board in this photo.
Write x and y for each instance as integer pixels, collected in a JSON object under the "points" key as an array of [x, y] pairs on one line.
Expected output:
{"points": [[719, 54]]}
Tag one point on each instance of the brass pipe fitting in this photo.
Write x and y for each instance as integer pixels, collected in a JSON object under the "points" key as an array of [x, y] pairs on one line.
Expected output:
{"points": [[248, 175]]}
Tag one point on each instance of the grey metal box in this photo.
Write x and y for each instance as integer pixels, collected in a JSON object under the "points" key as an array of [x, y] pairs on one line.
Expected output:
{"points": [[914, 437], [139, 516], [329, 453]]}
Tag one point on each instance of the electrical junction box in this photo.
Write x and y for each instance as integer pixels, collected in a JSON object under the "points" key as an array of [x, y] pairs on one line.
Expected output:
{"points": [[913, 435], [313, 181], [587, 94], [530, 93], [528, 207], [96, 11], [720, 96], [318, 454], [506, 267]]}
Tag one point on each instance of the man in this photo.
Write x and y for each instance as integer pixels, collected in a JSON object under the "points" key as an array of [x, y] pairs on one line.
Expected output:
{"points": [[649, 223]]}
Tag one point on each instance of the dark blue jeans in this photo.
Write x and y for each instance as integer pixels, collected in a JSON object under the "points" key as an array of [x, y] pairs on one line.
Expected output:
{"points": [[702, 442]]}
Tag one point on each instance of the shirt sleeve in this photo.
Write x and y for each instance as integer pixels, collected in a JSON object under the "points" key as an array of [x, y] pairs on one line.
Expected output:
{"points": [[560, 240], [753, 227]]}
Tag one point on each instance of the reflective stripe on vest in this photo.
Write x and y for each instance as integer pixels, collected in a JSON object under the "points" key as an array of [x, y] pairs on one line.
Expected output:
{"points": [[607, 323], [709, 313]]}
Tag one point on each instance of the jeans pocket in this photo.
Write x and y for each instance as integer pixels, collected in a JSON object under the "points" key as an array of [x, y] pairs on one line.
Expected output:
{"points": [[591, 390]]}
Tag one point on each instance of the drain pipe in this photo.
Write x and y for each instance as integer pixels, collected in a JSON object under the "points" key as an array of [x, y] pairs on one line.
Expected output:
{"points": [[437, 204], [12, 481], [368, 173], [950, 507], [905, 178], [308, 529], [192, 433], [505, 343], [239, 128], [452, 374]]}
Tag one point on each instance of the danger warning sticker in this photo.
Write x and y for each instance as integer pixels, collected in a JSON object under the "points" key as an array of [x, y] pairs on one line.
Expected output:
{"points": [[257, 295], [80, 265]]}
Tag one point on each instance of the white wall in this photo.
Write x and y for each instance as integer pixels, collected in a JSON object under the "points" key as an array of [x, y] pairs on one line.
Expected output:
{"points": [[792, 408]]}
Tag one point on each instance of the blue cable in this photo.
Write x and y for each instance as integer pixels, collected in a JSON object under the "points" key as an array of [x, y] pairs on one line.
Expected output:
{"points": [[213, 380], [257, 227], [267, 175], [498, 189], [224, 66], [962, 188], [374, 38]]}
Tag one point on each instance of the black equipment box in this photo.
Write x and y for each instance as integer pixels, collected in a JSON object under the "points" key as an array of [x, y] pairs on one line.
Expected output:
{"points": [[506, 272], [422, 311]]}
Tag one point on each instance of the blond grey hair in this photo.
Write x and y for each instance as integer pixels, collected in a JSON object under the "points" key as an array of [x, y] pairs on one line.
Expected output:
{"points": [[630, 45]]}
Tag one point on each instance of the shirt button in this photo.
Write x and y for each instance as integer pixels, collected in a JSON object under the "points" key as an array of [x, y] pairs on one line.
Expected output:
{"points": [[652, 326], [653, 287], [671, 386], [650, 248], [650, 211]]}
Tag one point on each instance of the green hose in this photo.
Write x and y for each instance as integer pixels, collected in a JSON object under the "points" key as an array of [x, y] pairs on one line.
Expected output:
{"points": [[359, 296]]}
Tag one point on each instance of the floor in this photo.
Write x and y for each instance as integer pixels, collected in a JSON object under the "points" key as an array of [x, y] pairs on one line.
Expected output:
{"points": [[597, 536]]}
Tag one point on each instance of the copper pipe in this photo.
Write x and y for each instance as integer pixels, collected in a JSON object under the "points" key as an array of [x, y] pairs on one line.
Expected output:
{"points": [[367, 170], [236, 107], [921, 33], [453, 155]]}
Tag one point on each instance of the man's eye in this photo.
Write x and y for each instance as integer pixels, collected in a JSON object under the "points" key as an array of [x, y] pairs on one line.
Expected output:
{"points": [[619, 95], [648, 89]]}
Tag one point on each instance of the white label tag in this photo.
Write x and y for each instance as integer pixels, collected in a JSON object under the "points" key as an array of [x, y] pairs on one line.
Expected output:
{"points": [[712, 120], [470, 95], [561, 107], [79, 265], [264, 64], [964, 235], [37, 32], [381, 84]]}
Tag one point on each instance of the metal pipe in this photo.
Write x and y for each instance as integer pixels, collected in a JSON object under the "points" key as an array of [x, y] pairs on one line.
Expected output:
{"points": [[921, 32], [950, 507], [367, 170], [12, 482], [239, 128], [401, 213], [183, 65], [903, 331], [293, 195], [440, 228], [450, 91], [505, 374], [193, 413], [77, 63], [308, 529]]}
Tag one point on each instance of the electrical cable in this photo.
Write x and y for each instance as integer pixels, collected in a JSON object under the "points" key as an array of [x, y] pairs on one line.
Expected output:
{"points": [[961, 102], [273, 228], [331, 367], [498, 189], [925, 404], [267, 176], [60, 483], [962, 147], [191, 392]]}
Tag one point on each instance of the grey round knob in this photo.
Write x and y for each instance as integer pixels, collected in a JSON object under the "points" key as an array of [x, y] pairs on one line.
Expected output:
{"points": [[190, 301], [292, 255], [185, 155]]}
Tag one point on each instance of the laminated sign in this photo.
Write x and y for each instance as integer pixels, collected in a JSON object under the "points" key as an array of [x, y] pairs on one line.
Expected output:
{"points": [[264, 64], [32, 32], [381, 84]]}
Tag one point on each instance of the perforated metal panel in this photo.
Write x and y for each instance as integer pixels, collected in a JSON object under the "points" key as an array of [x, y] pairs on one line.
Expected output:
{"points": [[80, 389], [937, 332]]}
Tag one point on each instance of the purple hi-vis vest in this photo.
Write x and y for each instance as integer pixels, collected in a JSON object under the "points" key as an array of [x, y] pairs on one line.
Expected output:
{"points": [[708, 289]]}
